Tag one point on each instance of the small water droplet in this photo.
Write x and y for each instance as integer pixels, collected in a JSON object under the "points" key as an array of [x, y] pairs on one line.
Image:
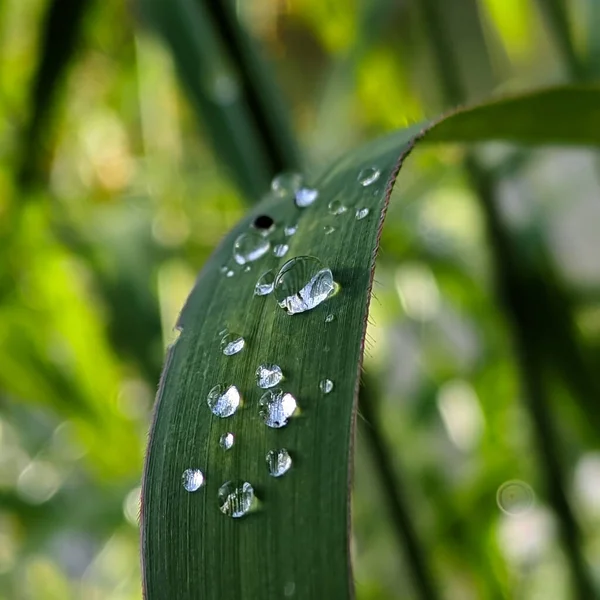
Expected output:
{"points": [[223, 400], [249, 247], [289, 589], [290, 230], [192, 479], [265, 283], [224, 269], [229, 273], [276, 407], [368, 176], [515, 497], [326, 385], [235, 498], [232, 343], [361, 213], [328, 229], [306, 196], [302, 284], [226, 440], [336, 207], [330, 317], [223, 331], [278, 462], [286, 184], [280, 250], [247, 269], [268, 375]]}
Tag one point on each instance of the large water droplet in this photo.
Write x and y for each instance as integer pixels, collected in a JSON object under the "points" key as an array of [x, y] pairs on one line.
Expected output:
{"points": [[302, 284], [306, 196], [265, 283], [330, 317], [192, 479], [232, 343], [368, 176], [280, 250], [278, 462], [276, 407], [336, 207], [226, 440], [515, 497], [249, 247], [235, 498], [326, 385], [328, 229], [290, 230], [361, 213], [268, 375], [223, 400], [286, 184]]}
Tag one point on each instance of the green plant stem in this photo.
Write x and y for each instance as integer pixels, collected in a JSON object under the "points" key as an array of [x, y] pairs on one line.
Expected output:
{"points": [[393, 492], [519, 295]]}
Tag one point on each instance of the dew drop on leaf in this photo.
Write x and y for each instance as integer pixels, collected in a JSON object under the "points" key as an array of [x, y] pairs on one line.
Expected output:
{"points": [[226, 440], [276, 407], [328, 229], [336, 207], [515, 497], [192, 479], [280, 250], [286, 184], [302, 284], [235, 498], [306, 196], [265, 283], [223, 400], [326, 385], [330, 317], [268, 375], [232, 343], [290, 230], [249, 247], [368, 176], [229, 273], [278, 462], [361, 213]]}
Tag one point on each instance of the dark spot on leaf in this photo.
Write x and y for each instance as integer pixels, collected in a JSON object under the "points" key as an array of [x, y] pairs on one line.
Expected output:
{"points": [[263, 222]]}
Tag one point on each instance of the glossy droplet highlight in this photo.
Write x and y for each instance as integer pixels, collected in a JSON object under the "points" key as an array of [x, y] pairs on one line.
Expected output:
{"points": [[235, 498], [223, 400], [232, 343], [328, 229], [249, 247], [286, 184], [336, 207], [326, 385], [368, 176], [329, 318], [276, 407], [302, 284], [306, 196], [280, 250], [515, 497], [290, 230], [268, 375], [247, 269], [278, 462], [192, 479], [361, 213], [226, 440], [265, 283], [229, 273]]}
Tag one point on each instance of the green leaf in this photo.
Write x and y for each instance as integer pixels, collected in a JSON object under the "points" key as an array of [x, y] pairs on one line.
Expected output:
{"points": [[299, 536]]}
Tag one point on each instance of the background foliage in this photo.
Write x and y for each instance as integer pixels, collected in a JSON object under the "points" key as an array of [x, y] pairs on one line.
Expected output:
{"points": [[111, 199]]}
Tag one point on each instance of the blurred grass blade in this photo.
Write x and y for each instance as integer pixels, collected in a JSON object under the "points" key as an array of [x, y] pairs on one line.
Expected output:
{"points": [[298, 539], [61, 25]]}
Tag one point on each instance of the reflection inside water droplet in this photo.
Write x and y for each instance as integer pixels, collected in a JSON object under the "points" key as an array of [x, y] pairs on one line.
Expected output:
{"points": [[330, 317], [268, 375], [278, 462], [336, 207], [223, 400], [232, 343], [265, 283], [226, 440], [235, 498], [328, 229], [249, 247], [306, 196], [515, 497], [326, 385], [192, 479], [302, 284], [276, 407], [368, 176], [280, 250], [290, 230], [361, 213], [286, 184]]}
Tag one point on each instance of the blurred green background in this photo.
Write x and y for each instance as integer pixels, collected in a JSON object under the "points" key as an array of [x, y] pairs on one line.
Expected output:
{"points": [[110, 207]]}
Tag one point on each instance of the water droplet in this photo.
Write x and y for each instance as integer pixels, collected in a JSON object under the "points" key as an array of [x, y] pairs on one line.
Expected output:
{"points": [[515, 497], [226, 440], [286, 184], [224, 269], [329, 318], [302, 284], [192, 479], [280, 250], [276, 407], [328, 229], [247, 269], [268, 375], [278, 462], [361, 213], [289, 589], [230, 273], [263, 223], [336, 207], [232, 343], [290, 230], [265, 283], [223, 400], [235, 498], [368, 176], [249, 247], [223, 331], [326, 385], [306, 196]]}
